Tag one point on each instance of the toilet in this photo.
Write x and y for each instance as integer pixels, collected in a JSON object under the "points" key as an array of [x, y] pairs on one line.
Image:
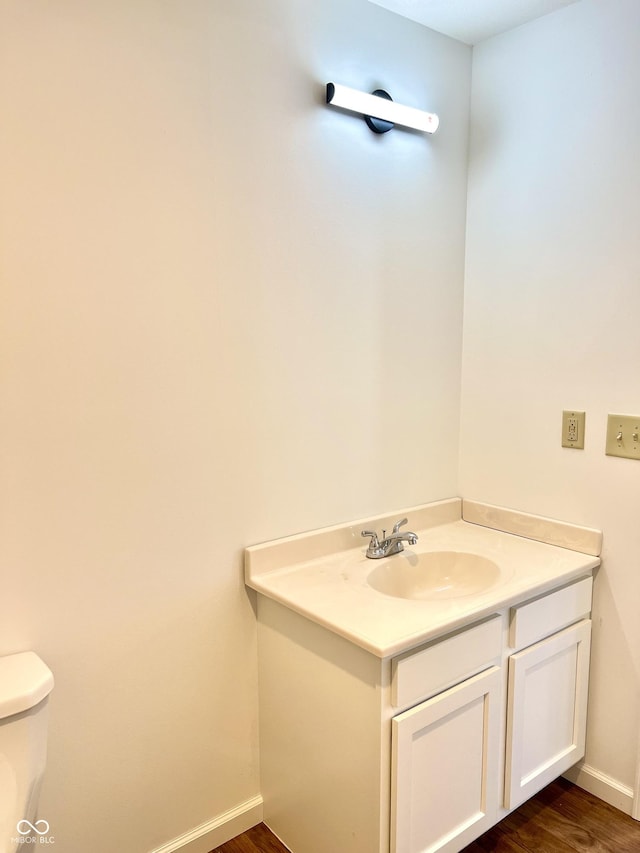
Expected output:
{"points": [[25, 685]]}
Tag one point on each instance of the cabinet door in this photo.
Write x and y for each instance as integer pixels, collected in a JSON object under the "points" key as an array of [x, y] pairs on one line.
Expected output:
{"points": [[445, 768], [547, 711]]}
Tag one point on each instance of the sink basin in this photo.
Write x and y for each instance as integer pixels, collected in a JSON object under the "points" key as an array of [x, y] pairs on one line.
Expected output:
{"points": [[434, 575]]}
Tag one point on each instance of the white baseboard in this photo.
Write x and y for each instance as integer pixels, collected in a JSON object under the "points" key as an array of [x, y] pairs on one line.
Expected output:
{"points": [[602, 786], [635, 811], [217, 831], [226, 826]]}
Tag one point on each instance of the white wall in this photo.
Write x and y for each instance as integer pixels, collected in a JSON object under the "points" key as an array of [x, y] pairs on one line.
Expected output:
{"points": [[228, 313], [552, 307]]}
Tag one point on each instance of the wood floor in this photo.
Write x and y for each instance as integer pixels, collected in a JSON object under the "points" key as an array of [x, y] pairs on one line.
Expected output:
{"points": [[562, 818]]}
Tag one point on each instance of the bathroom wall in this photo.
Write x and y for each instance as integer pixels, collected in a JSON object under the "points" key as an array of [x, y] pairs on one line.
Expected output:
{"points": [[552, 301], [228, 313]]}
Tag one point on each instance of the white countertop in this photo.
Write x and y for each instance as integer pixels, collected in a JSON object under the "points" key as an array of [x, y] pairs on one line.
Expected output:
{"points": [[332, 589]]}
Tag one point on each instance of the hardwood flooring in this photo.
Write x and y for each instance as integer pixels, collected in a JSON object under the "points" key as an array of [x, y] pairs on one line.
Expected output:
{"points": [[259, 839], [562, 818]]}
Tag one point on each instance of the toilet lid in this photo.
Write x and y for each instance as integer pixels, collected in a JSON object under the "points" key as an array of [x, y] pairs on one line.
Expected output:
{"points": [[25, 680]]}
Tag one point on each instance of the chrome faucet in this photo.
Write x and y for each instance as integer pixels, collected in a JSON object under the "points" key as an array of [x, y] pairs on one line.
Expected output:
{"points": [[388, 545]]}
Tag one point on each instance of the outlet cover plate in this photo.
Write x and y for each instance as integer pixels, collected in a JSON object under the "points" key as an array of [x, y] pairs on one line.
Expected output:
{"points": [[573, 429], [623, 436]]}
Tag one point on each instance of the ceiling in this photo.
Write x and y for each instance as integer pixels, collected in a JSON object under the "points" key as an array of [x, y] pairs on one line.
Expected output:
{"points": [[472, 21]]}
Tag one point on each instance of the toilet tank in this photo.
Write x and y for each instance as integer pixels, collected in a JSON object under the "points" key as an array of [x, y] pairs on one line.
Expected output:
{"points": [[25, 684]]}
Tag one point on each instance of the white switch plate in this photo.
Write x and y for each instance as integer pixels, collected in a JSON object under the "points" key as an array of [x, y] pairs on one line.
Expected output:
{"points": [[623, 436], [573, 429]]}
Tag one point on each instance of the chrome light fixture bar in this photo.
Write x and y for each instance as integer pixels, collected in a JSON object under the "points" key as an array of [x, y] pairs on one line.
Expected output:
{"points": [[379, 111]]}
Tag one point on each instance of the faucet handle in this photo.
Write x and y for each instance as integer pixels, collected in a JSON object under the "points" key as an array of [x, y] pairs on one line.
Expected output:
{"points": [[374, 538], [398, 524]]}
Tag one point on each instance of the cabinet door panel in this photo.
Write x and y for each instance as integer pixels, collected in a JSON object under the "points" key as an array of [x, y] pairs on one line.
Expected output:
{"points": [[546, 714], [445, 768]]}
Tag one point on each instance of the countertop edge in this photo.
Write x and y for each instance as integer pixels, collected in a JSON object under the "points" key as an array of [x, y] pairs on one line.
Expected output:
{"points": [[410, 641]]}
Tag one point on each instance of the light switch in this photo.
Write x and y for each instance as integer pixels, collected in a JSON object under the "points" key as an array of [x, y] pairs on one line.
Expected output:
{"points": [[623, 436], [573, 429]]}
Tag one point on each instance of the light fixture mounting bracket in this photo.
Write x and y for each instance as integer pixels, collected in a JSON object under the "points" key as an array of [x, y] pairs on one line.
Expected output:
{"points": [[379, 125]]}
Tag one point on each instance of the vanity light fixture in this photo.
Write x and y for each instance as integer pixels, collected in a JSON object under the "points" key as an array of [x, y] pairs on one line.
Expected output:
{"points": [[379, 110]]}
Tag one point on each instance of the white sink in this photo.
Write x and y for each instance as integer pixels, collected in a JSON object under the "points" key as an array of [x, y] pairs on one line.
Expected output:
{"points": [[434, 575]]}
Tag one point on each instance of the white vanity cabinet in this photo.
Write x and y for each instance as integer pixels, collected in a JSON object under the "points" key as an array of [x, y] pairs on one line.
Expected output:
{"points": [[424, 751]]}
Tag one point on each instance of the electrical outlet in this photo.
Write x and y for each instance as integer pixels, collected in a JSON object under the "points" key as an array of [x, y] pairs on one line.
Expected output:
{"points": [[623, 436], [573, 429]]}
